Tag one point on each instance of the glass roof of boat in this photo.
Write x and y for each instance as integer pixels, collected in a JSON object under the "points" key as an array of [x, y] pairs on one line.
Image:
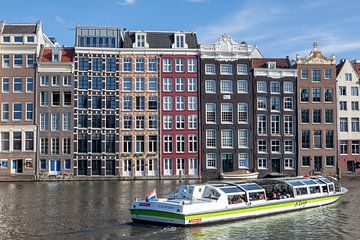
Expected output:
{"points": [[296, 183], [231, 189], [319, 182], [325, 180], [251, 187], [310, 182]]}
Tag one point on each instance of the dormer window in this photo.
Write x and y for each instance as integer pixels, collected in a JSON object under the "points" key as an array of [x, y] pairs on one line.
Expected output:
{"points": [[271, 65], [18, 39], [56, 55], [6, 39], [140, 40], [30, 39], [179, 41]]}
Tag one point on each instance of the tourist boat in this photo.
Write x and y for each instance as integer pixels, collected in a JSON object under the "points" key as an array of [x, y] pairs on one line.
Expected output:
{"points": [[240, 175], [222, 201]]}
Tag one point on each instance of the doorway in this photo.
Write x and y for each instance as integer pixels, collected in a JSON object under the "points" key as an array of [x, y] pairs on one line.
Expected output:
{"points": [[17, 166], [275, 165]]}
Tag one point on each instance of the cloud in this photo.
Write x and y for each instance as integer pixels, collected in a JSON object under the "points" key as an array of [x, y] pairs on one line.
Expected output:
{"points": [[125, 2], [197, 1], [60, 19]]}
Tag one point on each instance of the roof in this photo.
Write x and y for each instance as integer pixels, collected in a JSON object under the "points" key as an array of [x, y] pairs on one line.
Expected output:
{"points": [[262, 62], [160, 39], [340, 66], [67, 54], [356, 65], [19, 29]]}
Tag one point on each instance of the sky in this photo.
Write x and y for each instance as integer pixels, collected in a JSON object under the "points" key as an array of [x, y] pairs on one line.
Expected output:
{"points": [[278, 28]]}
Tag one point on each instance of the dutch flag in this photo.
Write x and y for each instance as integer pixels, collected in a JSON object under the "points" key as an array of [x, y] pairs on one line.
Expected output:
{"points": [[151, 196]]}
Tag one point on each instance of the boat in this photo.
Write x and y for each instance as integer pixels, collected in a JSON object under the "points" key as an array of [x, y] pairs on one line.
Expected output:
{"points": [[223, 200], [240, 175]]}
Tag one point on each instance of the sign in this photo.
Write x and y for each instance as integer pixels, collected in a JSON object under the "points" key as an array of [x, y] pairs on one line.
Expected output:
{"points": [[227, 97]]}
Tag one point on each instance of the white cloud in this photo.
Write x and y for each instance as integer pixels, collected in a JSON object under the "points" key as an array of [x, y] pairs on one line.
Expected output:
{"points": [[60, 19], [125, 2]]}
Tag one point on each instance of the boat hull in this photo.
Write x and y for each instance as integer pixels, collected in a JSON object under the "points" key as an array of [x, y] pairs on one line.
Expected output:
{"points": [[156, 216]]}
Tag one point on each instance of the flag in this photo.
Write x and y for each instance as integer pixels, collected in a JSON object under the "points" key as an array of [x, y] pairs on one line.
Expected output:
{"points": [[151, 196]]}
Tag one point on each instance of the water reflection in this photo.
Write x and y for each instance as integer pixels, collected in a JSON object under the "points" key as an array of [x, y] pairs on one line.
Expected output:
{"points": [[99, 210]]}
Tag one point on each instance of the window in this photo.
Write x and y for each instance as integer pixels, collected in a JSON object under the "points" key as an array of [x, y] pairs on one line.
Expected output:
{"points": [[127, 122], [66, 146], [152, 102], [261, 87], [242, 86], [243, 138], [5, 85], [55, 121], [55, 146], [127, 84], [242, 113], [329, 116], [348, 77], [179, 84], [140, 40], [167, 124], [152, 122], [180, 103], [343, 105], [152, 147], [67, 99], [354, 91], [180, 143], [317, 116], [192, 65], [275, 146], [110, 64], [275, 104], [305, 116], [82, 143], [152, 65], [44, 121], [127, 103], [139, 65], [140, 84], [192, 84], [83, 64], [139, 144], [306, 161], [83, 82], [127, 144], [30, 39], [330, 161], [226, 113], [317, 139], [210, 160], [167, 84], [44, 146], [262, 146], [96, 83], [179, 65], [110, 143], [152, 84], [97, 64], [29, 141], [288, 103], [192, 121], [355, 147], [289, 163], [110, 102], [243, 160], [355, 105], [180, 41], [225, 69], [316, 74], [327, 73], [262, 103], [304, 95], [17, 88], [275, 124], [288, 87], [83, 121], [343, 147], [242, 69], [110, 83], [342, 91], [193, 143], [167, 65], [226, 138], [168, 144], [305, 139], [167, 103], [329, 135], [316, 95], [210, 112], [261, 124], [344, 125], [275, 87], [30, 60], [180, 122], [29, 111], [210, 138], [18, 62], [288, 146], [226, 86], [210, 86], [96, 120], [17, 111], [192, 103], [328, 92], [127, 65], [67, 164], [6, 39], [355, 127], [55, 100], [18, 39], [288, 125], [262, 163], [210, 69], [17, 141], [140, 103], [139, 122], [67, 81], [6, 61], [55, 81], [5, 111]]}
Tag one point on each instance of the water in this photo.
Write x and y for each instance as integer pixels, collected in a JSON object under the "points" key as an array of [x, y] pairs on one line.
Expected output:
{"points": [[99, 210]]}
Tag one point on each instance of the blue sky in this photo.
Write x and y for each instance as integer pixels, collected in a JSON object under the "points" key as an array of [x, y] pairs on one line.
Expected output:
{"points": [[279, 28]]}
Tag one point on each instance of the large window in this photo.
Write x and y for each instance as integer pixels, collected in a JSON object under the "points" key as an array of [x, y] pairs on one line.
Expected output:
{"points": [[262, 146], [180, 103], [344, 125], [140, 144], [139, 65], [168, 144], [17, 111], [152, 65], [152, 144], [180, 143], [262, 124], [275, 124], [127, 65], [210, 160], [355, 147], [127, 122], [288, 125], [317, 116], [242, 69], [317, 139], [275, 104], [140, 84], [243, 160], [210, 69], [83, 64], [328, 92], [179, 65], [275, 146], [288, 146], [261, 103], [243, 138], [179, 84], [152, 102], [227, 138], [210, 86], [343, 147], [110, 64], [97, 64], [167, 103], [355, 127], [167, 122], [127, 144], [210, 138], [225, 69], [316, 75], [305, 139], [275, 87], [192, 84], [167, 65], [167, 84], [180, 122], [127, 103], [304, 95], [226, 86], [316, 95], [242, 112], [288, 103], [261, 87], [152, 122], [152, 84], [242, 86], [210, 112], [329, 116], [110, 83], [192, 65], [329, 135], [192, 121], [140, 103]]}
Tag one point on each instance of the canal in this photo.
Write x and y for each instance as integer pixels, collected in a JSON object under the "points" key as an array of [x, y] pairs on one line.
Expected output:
{"points": [[99, 210]]}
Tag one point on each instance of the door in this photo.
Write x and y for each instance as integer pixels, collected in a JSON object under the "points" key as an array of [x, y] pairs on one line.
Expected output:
{"points": [[127, 168], [140, 167], [54, 167], [152, 168], [17, 166], [317, 164], [110, 167], [275, 165], [180, 166], [193, 166], [82, 167], [227, 160], [168, 167], [350, 166]]}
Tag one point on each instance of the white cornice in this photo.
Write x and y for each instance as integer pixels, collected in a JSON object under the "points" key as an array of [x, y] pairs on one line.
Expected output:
{"points": [[55, 67], [275, 73], [129, 51]]}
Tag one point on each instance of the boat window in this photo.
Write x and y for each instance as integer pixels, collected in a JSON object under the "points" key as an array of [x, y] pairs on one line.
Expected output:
{"points": [[324, 189], [236, 198], [255, 196], [309, 182], [331, 188], [301, 191], [314, 189], [251, 187], [296, 183], [324, 180], [231, 189], [211, 193]]}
